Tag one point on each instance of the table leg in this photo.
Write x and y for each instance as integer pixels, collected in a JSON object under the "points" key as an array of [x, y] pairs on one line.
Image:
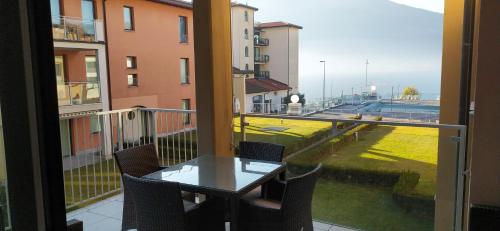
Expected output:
{"points": [[234, 209]]}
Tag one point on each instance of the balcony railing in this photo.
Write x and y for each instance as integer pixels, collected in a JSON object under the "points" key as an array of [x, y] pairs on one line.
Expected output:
{"points": [[262, 59], [261, 42], [373, 170], [262, 74], [88, 142], [78, 93], [77, 29]]}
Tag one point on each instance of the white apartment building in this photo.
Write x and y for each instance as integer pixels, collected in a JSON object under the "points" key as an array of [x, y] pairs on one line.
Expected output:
{"points": [[265, 62]]}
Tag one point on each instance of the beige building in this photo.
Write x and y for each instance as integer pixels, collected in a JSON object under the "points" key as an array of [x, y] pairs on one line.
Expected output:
{"points": [[265, 62], [277, 46]]}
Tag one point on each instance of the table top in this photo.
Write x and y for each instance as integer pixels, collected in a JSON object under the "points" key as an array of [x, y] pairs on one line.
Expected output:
{"points": [[218, 173]]}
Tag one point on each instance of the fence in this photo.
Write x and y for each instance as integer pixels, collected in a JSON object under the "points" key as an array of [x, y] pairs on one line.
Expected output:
{"points": [[459, 140], [88, 142]]}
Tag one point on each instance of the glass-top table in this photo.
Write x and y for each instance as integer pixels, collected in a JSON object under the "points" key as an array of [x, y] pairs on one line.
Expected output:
{"points": [[228, 177]]}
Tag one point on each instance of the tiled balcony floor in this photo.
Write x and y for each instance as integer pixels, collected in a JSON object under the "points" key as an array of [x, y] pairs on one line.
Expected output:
{"points": [[106, 215]]}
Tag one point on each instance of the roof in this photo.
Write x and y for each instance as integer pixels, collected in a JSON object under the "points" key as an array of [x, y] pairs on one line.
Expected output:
{"points": [[264, 85], [177, 3], [243, 72], [276, 24], [233, 4]]}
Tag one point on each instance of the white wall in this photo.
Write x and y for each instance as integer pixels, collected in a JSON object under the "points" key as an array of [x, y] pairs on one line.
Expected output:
{"points": [[238, 26], [283, 51], [274, 96]]}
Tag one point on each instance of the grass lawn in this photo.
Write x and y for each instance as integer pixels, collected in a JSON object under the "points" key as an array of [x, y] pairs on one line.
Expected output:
{"points": [[389, 148], [299, 134], [363, 207]]}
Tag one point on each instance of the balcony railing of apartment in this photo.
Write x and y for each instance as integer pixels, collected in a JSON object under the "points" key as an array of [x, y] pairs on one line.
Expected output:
{"points": [[77, 29], [262, 59], [262, 74], [261, 42], [90, 172], [373, 171], [78, 93]]}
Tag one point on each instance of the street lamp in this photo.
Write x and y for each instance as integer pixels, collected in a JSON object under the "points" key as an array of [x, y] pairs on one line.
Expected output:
{"points": [[324, 80]]}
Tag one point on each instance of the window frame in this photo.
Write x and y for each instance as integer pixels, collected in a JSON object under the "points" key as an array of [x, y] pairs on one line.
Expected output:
{"points": [[186, 117], [183, 38], [133, 62], [132, 18], [246, 51], [135, 80], [246, 16], [187, 79], [246, 33]]}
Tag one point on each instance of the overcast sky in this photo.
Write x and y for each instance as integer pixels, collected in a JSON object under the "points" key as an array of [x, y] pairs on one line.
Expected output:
{"points": [[401, 38]]}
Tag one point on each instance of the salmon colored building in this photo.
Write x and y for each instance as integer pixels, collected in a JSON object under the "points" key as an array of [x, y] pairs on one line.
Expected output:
{"points": [[151, 54], [117, 54]]}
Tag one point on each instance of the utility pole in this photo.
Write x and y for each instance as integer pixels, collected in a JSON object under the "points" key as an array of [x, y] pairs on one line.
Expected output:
{"points": [[324, 80], [352, 91], [366, 74], [392, 96]]}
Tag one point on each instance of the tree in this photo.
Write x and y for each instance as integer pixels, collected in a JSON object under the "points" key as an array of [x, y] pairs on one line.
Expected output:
{"points": [[410, 93]]}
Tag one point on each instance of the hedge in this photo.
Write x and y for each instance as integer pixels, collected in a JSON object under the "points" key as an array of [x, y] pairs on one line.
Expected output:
{"points": [[403, 183]]}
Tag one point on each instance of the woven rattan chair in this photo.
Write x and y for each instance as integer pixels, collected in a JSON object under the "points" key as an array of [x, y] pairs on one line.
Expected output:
{"points": [[159, 205], [261, 151], [137, 161], [292, 213]]}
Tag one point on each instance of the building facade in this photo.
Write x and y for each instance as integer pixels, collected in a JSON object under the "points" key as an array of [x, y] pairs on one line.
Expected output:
{"points": [[81, 71], [265, 62]]}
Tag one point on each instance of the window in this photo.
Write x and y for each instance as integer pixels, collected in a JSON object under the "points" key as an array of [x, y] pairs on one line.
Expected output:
{"points": [[132, 80], [183, 31], [246, 51], [246, 33], [88, 16], [91, 69], [186, 105], [55, 10], [246, 16], [246, 67], [128, 18], [184, 67], [95, 125], [131, 62]]}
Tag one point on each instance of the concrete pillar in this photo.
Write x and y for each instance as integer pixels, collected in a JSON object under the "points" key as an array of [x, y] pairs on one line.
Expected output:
{"points": [[214, 89]]}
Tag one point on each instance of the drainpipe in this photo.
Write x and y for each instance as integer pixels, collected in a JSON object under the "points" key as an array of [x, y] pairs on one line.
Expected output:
{"points": [[107, 53]]}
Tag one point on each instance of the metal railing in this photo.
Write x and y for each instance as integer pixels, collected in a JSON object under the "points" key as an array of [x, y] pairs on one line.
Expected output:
{"points": [[261, 42], [78, 93], [88, 142], [460, 140], [77, 29], [262, 74], [268, 108], [261, 59]]}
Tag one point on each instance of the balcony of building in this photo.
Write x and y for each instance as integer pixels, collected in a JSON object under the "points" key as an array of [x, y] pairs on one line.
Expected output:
{"points": [[79, 96], [74, 29], [261, 59], [261, 42], [262, 74]]}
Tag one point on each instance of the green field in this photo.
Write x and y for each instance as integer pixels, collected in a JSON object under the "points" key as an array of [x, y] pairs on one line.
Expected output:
{"points": [[363, 207], [298, 134], [383, 149]]}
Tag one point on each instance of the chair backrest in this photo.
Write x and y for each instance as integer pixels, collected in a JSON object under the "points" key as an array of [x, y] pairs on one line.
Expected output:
{"points": [[261, 151], [158, 204], [298, 193], [138, 161]]}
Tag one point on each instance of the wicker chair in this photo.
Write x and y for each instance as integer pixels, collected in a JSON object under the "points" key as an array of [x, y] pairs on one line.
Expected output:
{"points": [[137, 161], [261, 151], [160, 206], [292, 213]]}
